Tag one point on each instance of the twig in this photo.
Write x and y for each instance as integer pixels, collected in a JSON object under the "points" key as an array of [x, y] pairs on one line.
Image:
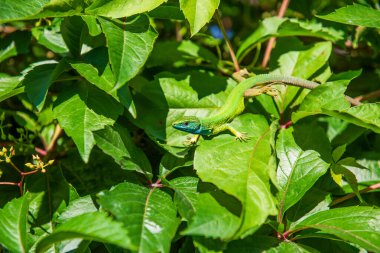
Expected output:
{"points": [[351, 195], [374, 94], [232, 53], [57, 133], [268, 50]]}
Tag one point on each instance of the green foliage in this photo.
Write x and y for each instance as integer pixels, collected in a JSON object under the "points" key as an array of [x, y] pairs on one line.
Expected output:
{"points": [[93, 87]]}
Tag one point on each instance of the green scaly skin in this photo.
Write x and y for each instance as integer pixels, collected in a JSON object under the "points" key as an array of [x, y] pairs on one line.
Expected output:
{"points": [[235, 105]]}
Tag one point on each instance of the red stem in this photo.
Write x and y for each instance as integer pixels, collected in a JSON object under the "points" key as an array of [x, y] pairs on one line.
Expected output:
{"points": [[268, 50]]}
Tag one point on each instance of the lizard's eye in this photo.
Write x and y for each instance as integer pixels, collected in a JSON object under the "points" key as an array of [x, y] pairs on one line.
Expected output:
{"points": [[186, 123]]}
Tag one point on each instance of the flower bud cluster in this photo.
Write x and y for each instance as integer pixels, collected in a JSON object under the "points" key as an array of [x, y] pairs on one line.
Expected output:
{"points": [[38, 164], [7, 154]]}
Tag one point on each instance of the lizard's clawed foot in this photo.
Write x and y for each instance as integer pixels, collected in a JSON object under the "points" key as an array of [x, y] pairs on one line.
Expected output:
{"points": [[269, 90], [242, 136], [191, 140]]}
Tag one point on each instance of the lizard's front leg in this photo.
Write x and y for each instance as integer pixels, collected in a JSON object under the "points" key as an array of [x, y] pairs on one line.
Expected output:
{"points": [[239, 136], [192, 140]]}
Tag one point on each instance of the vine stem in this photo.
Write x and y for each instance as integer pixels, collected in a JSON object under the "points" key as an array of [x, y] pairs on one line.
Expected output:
{"points": [[268, 50], [232, 53], [351, 195]]}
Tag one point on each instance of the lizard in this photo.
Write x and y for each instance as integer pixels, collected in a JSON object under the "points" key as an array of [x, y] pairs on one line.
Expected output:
{"points": [[234, 106]]}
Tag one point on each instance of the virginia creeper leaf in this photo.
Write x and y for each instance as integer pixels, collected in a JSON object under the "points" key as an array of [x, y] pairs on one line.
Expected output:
{"points": [[13, 225], [149, 215], [356, 14], [129, 45], [83, 109], [198, 12], [244, 173], [90, 226]]}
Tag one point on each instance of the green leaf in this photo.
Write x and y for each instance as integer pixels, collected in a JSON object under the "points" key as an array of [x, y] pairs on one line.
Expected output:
{"points": [[370, 175], [285, 27], [149, 215], [25, 8], [14, 44], [358, 225], [298, 169], [211, 219], [13, 225], [38, 80], [186, 195], [77, 207], [116, 142], [121, 8], [129, 45], [51, 37], [73, 31], [198, 12], [356, 14], [245, 172], [90, 226], [8, 83], [314, 201], [169, 163], [82, 109], [39, 9], [94, 28], [95, 68]]}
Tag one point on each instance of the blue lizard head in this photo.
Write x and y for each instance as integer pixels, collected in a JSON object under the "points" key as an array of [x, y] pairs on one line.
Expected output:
{"points": [[191, 125]]}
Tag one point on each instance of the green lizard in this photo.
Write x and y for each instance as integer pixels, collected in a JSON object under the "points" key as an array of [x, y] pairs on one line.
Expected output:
{"points": [[235, 105]]}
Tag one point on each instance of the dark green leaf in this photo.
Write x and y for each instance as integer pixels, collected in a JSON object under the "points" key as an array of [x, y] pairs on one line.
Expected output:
{"points": [[14, 44], [83, 109], [186, 195], [180, 54], [116, 142], [73, 31], [38, 80], [252, 244]]}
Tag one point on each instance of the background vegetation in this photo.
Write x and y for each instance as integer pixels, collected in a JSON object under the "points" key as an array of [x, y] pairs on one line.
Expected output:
{"points": [[90, 162]]}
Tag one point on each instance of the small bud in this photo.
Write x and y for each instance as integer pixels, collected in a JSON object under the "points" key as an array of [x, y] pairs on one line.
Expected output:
{"points": [[50, 162]]}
